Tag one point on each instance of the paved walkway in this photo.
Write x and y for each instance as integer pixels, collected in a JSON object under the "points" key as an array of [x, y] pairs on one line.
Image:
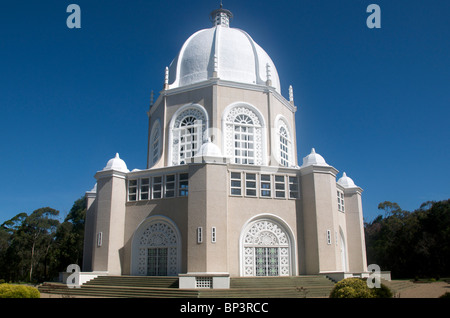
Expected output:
{"points": [[425, 290]]}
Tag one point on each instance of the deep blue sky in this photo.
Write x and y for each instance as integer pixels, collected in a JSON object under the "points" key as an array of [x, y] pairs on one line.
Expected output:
{"points": [[373, 102]]}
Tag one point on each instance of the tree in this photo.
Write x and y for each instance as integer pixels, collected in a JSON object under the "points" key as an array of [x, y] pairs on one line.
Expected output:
{"points": [[411, 244], [69, 237], [37, 231]]}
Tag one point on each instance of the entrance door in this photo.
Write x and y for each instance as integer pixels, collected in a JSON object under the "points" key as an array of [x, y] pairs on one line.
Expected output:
{"points": [[157, 262], [266, 261], [266, 249]]}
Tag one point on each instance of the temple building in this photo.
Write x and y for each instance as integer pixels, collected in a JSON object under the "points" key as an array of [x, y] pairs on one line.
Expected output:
{"points": [[223, 194]]}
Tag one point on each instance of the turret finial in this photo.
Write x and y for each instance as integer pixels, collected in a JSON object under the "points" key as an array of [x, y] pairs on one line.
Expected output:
{"points": [[221, 16]]}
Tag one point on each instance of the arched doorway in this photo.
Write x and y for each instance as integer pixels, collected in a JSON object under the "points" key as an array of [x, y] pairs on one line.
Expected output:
{"points": [[156, 248], [266, 249]]}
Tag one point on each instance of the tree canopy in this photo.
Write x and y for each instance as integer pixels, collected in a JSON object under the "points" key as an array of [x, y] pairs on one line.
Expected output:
{"points": [[36, 247], [411, 244]]}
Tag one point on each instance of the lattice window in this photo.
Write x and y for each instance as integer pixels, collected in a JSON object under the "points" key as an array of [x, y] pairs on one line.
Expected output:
{"points": [[155, 143], [243, 136], [158, 250], [266, 250], [265, 185], [284, 147], [285, 150], [187, 135], [293, 187], [170, 181], [157, 187], [280, 187], [144, 189], [203, 282], [132, 190], [183, 184], [250, 184], [236, 183], [340, 200]]}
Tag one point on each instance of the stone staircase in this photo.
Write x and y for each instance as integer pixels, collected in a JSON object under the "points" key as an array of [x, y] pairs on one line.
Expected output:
{"points": [[397, 286], [167, 287]]}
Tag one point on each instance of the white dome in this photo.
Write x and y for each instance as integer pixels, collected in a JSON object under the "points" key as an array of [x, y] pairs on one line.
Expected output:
{"points": [[209, 149], [346, 182], [223, 52], [314, 159], [116, 164]]}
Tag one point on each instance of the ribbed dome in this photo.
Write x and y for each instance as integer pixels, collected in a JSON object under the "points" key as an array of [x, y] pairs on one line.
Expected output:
{"points": [[116, 164], [314, 159], [346, 182], [223, 52], [209, 149]]}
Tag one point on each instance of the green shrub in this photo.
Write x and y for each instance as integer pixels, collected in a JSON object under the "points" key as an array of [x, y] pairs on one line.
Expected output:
{"points": [[351, 288], [446, 295], [18, 291], [382, 292]]}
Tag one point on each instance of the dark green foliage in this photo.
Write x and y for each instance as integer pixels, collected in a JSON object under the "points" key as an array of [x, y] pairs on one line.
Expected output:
{"points": [[382, 292], [351, 288], [18, 291], [36, 247], [357, 288], [411, 244]]}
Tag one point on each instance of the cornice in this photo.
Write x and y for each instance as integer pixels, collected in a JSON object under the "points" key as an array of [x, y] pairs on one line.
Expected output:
{"points": [[319, 169], [224, 83]]}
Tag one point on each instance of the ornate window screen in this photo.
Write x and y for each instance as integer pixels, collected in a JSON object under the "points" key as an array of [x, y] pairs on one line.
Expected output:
{"points": [[266, 250], [243, 135], [158, 247], [188, 130], [284, 144], [155, 143]]}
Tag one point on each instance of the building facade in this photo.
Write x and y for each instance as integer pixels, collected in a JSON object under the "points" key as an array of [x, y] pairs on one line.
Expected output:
{"points": [[223, 194]]}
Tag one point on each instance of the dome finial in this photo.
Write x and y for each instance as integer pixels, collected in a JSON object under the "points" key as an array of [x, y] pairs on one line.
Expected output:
{"points": [[221, 16]]}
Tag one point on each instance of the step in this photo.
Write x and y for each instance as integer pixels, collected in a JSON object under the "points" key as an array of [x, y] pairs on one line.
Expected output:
{"points": [[167, 287]]}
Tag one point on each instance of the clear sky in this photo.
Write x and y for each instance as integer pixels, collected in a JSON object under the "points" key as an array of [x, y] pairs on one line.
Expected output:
{"points": [[373, 102]]}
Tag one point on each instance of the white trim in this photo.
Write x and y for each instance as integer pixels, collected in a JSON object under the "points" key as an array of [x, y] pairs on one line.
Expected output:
{"points": [[142, 227], [292, 244], [343, 251], [155, 128], [262, 125], [276, 141], [204, 134]]}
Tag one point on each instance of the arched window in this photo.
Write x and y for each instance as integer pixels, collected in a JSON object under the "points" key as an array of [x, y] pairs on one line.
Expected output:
{"points": [[244, 135], [266, 249], [244, 140], [156, 248], [155, 143], [187, 130], [284, 139]]}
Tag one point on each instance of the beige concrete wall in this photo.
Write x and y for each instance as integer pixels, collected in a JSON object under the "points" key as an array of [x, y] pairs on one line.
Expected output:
{"points": [[310, 229], [136, 212], [320, 215], [111, 195], [241, 210], [355, 231], [89, 234], [217, 216], [215, 99]]}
